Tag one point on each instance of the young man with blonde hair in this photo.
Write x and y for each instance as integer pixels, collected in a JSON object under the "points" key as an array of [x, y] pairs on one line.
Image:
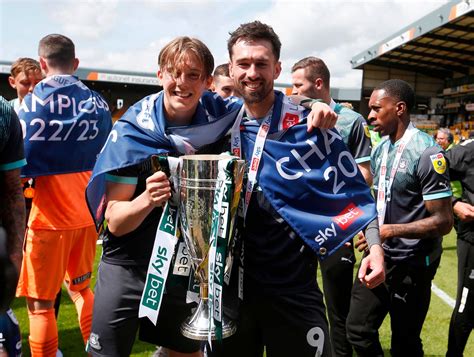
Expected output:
{"points": [[133, 200], [25, 73]]}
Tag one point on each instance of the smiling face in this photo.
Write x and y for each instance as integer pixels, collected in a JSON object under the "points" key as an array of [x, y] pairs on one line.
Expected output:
{"points": [[183, 89], [254, 68]]}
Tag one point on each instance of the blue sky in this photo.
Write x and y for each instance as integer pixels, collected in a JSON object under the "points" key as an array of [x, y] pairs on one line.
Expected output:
{"points": [[128, 35]]}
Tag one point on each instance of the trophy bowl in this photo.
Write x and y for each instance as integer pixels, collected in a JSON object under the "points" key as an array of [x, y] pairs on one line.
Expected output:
{"points": [[198, 182]]}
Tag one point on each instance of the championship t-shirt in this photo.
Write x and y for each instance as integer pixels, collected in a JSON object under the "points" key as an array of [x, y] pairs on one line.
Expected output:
{"points": [[422, 175]]}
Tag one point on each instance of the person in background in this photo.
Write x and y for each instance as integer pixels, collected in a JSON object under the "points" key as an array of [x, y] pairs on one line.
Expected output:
{"points": [[12, 225], [414, 209], [311, 78], [461, 167], [222, 84], [445, 138], [61, 237], [25, 73]]}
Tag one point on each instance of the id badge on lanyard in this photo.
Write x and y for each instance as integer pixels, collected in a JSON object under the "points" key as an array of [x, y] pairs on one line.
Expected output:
{"points": [[384, 186], [236, 148]]}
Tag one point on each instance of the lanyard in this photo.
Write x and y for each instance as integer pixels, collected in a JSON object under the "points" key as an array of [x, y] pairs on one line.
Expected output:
{"points": [[236, 148], [384, 188]]}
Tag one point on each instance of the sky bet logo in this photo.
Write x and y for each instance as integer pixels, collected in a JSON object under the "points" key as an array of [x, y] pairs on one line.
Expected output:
{"points": [[348, 216], [343, 220]]}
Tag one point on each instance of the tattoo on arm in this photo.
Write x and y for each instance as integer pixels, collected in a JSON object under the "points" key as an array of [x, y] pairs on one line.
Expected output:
{"points": [[13, 213], [437, 224]]}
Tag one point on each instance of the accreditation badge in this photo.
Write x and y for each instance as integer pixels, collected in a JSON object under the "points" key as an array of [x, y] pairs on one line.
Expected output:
{"points": [[439, 163]]}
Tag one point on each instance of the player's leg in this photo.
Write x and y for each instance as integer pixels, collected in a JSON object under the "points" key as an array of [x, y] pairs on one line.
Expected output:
{"points": [[115, 315], [295, 325], [366, 313], [79, 273]]}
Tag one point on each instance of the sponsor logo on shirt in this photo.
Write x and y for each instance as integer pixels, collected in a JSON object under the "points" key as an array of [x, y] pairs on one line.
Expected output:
{"points": [[439, 163], [289, 120]]}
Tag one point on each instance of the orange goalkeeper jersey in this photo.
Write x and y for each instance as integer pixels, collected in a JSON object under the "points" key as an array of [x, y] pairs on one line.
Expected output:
{"points": [[59, 202]]}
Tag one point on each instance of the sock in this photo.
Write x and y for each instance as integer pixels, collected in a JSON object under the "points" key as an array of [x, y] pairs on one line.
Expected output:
{"points": [[43, 333], [84, 301]]}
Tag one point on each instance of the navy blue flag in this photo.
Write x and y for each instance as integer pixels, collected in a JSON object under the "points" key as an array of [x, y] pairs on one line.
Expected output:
{"points": [[65, 125], [312, 181], [142, 132]]}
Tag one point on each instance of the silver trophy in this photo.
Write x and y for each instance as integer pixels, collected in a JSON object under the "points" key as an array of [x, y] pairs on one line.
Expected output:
{"points": [[198, 181]]}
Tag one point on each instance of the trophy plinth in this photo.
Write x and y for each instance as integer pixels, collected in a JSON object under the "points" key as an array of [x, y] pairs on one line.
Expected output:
{"points": [[199, 179], [196, 326]]}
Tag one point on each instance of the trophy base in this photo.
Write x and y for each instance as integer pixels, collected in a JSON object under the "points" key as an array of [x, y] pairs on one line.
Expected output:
{"points": [[196, 327]]}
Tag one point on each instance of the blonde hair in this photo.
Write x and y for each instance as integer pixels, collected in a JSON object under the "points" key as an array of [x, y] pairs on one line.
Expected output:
{"points": [[175, 53], [24, 65]]}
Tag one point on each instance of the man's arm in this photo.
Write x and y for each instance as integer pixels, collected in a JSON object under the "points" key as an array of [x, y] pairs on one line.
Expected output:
{"points": [[13, 214], [364, 168], [437, 224], [321, 115], [124, 214]]}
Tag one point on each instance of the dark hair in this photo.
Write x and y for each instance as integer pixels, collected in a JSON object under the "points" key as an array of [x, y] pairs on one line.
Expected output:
{"points": [[58, 50], [400, 90], [314, 68], [222, 70], [253, 31], [175, 53]]}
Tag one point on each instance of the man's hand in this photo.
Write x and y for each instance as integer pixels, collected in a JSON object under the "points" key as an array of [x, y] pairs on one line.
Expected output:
{"points": [[321, 116], [158, 189], [375, 263], [361, 243], [464, 211]]}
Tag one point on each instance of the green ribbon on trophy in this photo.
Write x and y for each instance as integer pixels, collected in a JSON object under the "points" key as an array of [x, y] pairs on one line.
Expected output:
{"points": [[159, 265], [220, 233], [163, 248]]}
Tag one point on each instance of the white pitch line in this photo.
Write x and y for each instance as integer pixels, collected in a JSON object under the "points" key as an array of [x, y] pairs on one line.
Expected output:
{"points": [[443, 296]]}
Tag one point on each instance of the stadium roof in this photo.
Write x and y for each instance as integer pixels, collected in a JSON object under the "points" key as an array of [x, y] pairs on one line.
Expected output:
{"points": [[438, 45]]}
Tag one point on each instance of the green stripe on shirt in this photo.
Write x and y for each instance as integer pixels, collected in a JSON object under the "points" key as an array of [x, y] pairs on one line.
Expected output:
{"points": [[435, 196], [121, 179], [13, 165]]}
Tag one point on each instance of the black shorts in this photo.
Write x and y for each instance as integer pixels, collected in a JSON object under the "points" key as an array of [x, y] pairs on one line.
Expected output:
{"points": [[293, 325], [115, 319]]}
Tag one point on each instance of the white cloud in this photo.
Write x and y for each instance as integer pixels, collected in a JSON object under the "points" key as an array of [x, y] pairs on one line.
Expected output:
{"points": [[336, 31], [90, 19], [128, 35]]}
